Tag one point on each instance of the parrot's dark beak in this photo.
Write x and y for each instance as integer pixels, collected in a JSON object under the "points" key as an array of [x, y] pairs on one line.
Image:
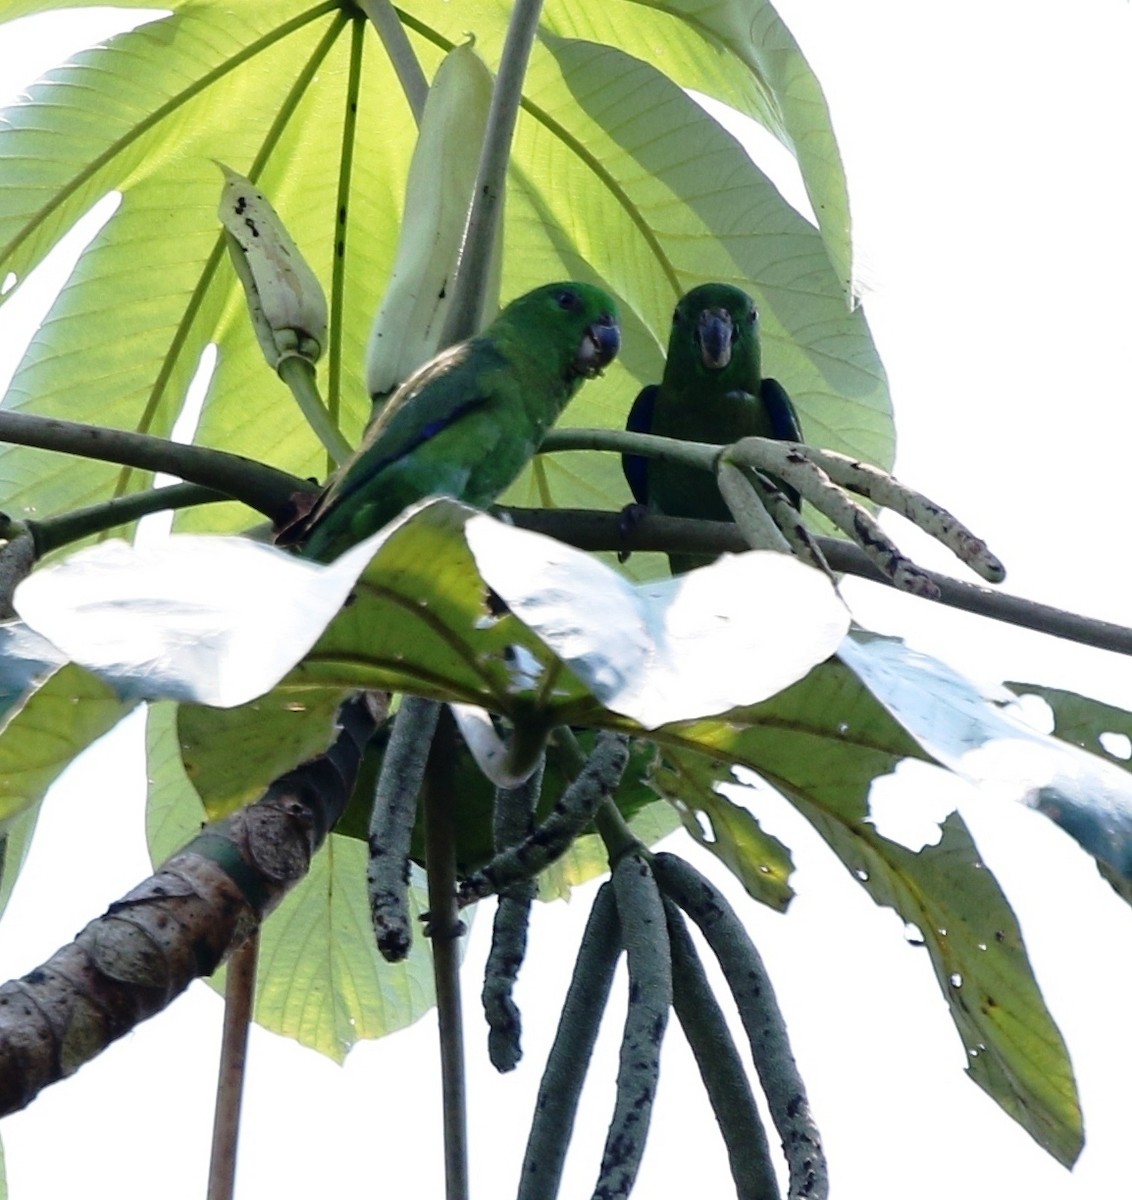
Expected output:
{"points": [[715, 333], [599, 347]]}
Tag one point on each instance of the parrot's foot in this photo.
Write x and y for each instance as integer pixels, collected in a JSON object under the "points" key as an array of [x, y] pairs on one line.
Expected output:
{"points": [[628, 519], [290, 524]]}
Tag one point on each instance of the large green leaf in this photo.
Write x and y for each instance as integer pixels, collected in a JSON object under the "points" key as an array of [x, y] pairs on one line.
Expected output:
{"points": [[446, 603], [62, 716], [968, 728], [731, 832], [232, 754], [51, 714], [822, 742], [320, 979], [1090, 815], [617, 175]]}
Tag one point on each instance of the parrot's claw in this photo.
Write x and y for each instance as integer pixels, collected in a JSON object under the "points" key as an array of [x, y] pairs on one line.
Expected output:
{"points": [[627, 521]]}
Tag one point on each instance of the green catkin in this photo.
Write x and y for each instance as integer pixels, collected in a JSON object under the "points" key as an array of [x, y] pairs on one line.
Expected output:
{"points": [[514, 817], [391, 824], [569, 1057], [644, 933], [721, 1068], [573, 812], [762, 1019]]}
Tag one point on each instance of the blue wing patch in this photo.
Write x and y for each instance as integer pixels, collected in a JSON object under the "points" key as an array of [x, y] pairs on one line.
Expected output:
{"points": [[636, 468], [779, 407]]}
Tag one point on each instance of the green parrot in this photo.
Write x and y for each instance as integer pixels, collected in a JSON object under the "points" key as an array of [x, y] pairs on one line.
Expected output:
{"points": [[466, 423], [712, 391]]}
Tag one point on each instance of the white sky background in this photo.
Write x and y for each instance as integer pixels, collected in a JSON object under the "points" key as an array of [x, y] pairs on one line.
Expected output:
{"points": [[987, 151]]}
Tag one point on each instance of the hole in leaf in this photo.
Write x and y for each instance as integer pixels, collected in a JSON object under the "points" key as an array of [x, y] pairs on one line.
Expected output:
{"points": [[1119, 745]]}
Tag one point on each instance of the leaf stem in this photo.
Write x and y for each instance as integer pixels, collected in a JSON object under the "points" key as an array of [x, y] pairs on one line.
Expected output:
{"points": [[53, 532], [299, 375], [465, 314], [445, 930], [341, 226], [239, 998], [383, 16], [690, 454]]}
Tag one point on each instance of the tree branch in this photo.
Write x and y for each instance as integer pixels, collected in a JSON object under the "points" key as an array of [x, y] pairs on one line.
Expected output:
{"points": [[61, 530], [261, 487], [590, 530], [176, 926]]}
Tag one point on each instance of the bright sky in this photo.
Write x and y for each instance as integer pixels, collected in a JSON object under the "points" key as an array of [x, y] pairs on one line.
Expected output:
{"points": [[986, 147]]}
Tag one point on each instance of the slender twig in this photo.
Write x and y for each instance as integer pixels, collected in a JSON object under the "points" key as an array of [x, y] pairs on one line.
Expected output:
{"points": [[445, 930], [589, 530], [261, 487], [53, 532], [239, 999], [689, 454], [465, 314], [410, 75]]}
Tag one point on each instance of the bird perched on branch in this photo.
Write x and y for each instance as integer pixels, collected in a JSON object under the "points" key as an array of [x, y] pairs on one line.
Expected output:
{"points": [[468, 421], [713, 390]]}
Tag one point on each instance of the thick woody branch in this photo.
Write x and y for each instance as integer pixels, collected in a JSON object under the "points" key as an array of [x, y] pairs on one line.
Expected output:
{"points": [[178, 925]]}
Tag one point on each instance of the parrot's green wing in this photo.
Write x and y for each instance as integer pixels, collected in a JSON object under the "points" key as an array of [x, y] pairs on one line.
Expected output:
{"points": [[450, 386], [465, 424]]}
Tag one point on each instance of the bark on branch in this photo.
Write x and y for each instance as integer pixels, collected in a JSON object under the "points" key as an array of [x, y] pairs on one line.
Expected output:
{"points": [[177, 925]]}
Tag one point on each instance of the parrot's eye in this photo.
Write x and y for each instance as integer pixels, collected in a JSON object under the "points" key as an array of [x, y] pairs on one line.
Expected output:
{"points": [[570, 301], [752, 316]]}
